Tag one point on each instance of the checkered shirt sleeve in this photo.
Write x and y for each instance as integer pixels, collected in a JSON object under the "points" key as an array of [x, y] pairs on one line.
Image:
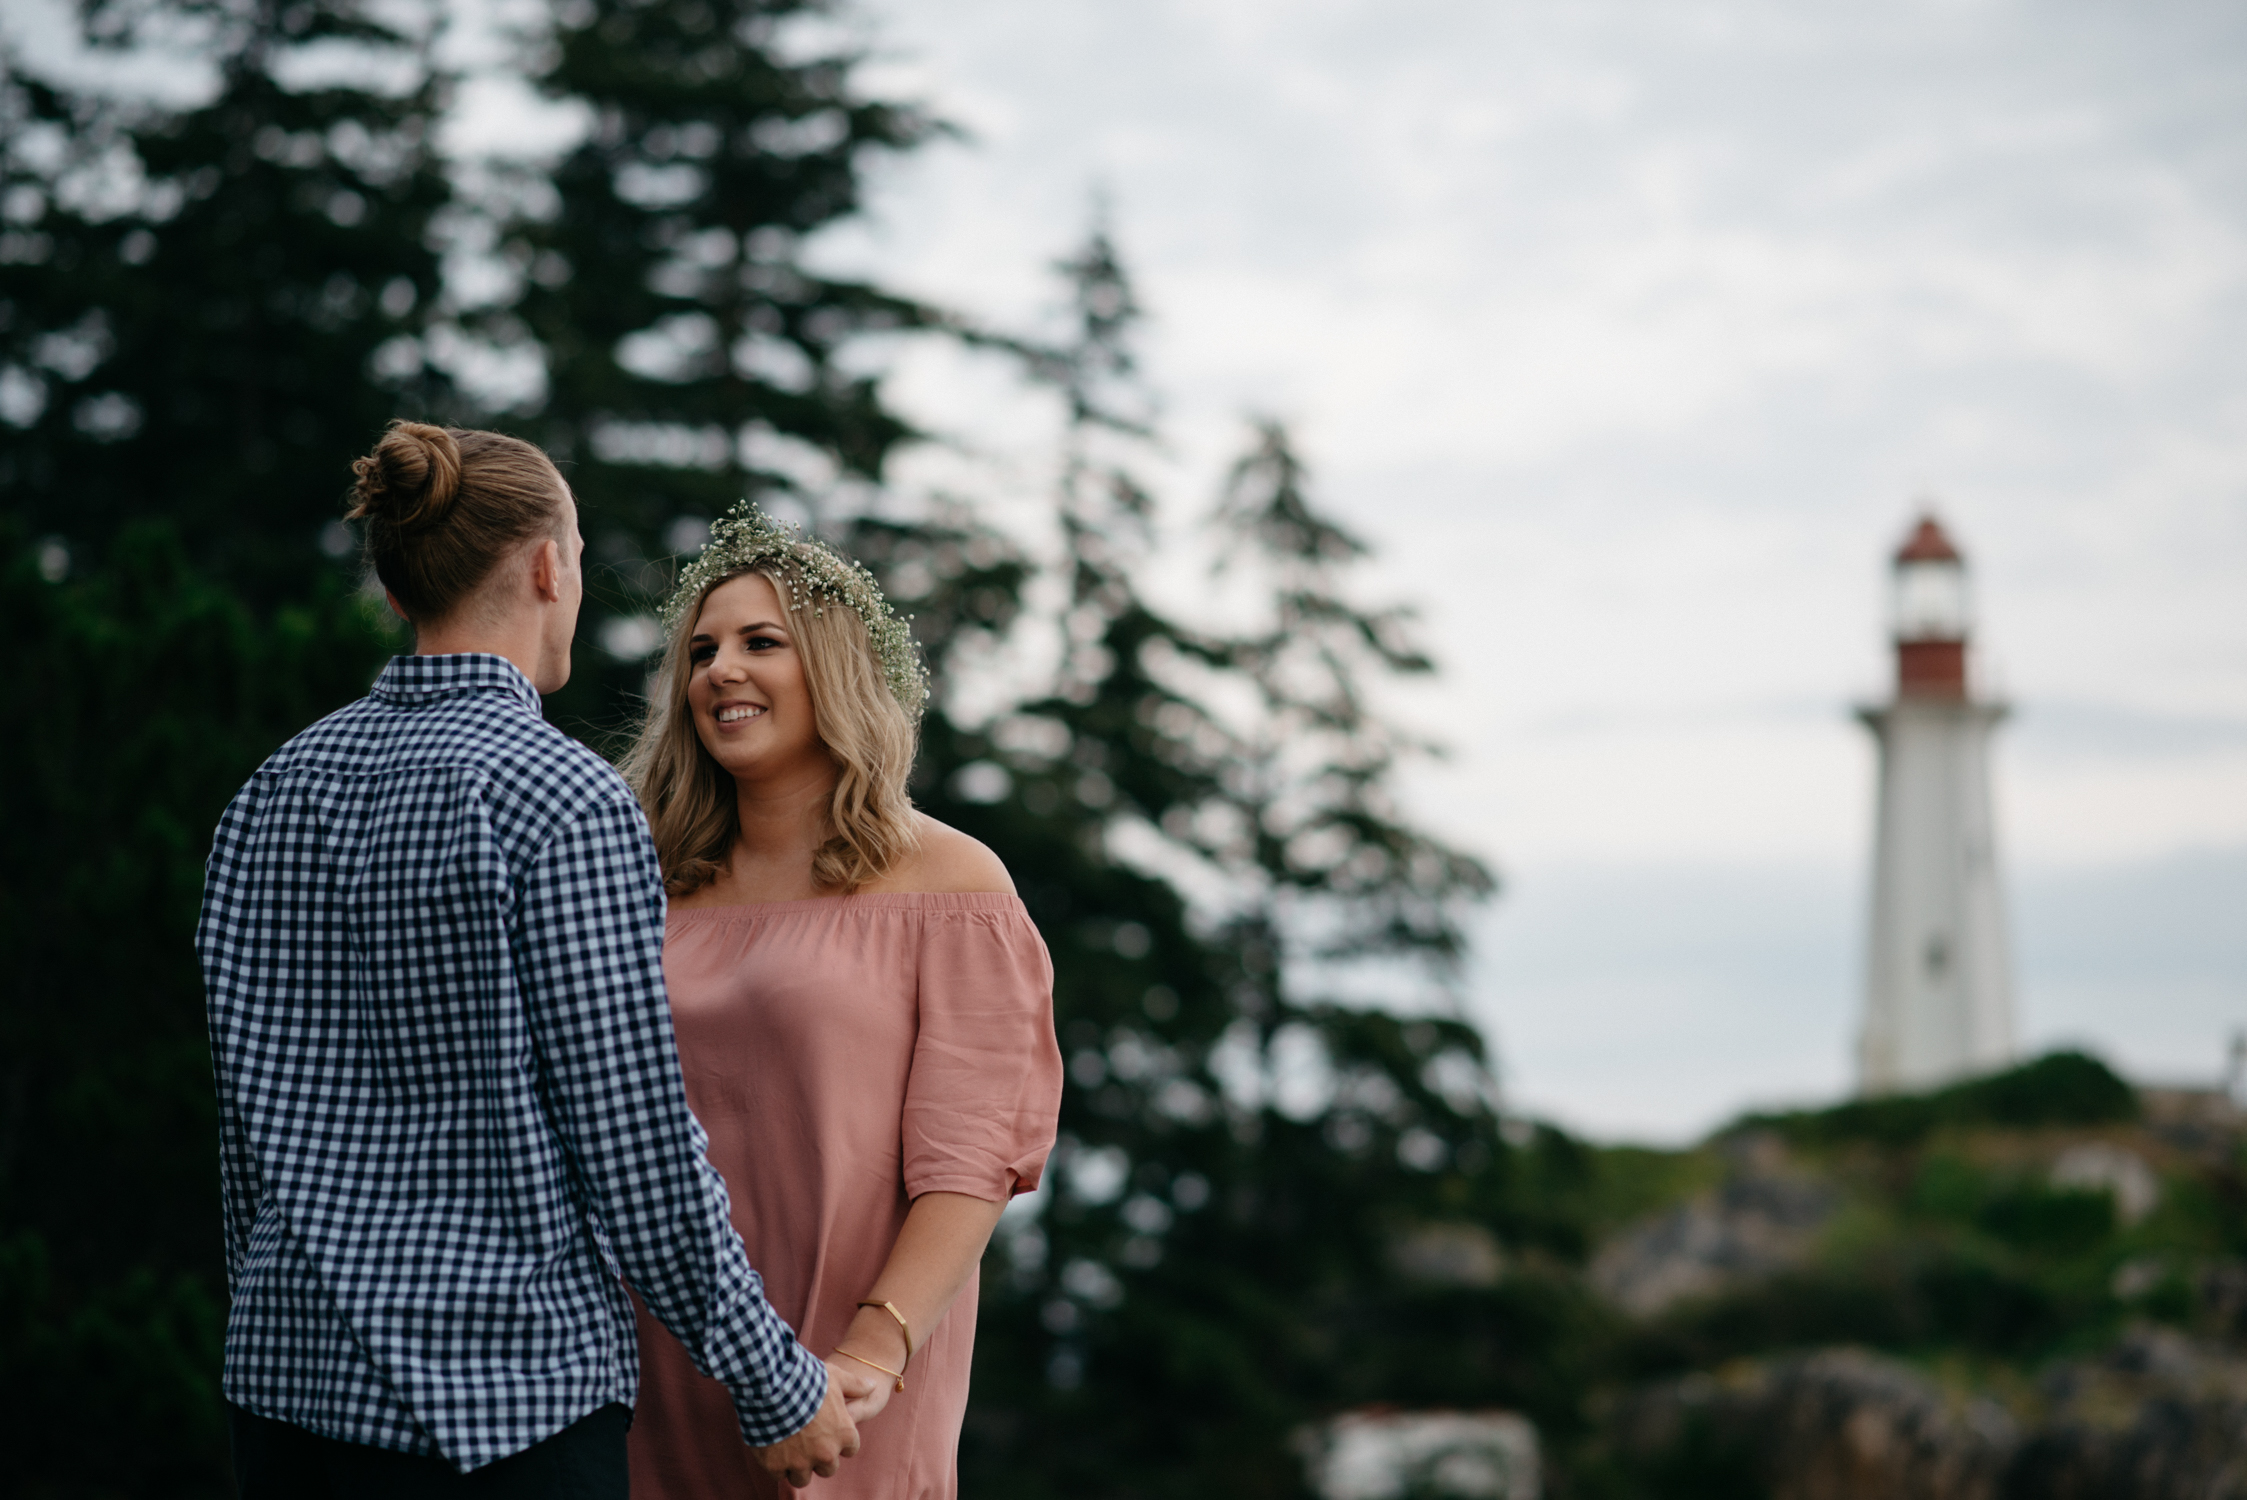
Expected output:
{"points": [[590, 946], [218, 937]]}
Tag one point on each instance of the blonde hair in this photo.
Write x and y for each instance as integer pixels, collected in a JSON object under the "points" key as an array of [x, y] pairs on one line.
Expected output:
{"points": [[689, 797]]}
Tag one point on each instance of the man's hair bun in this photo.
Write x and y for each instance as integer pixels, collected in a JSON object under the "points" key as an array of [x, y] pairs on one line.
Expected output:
{"points": [[410, 480], [442, 505]]}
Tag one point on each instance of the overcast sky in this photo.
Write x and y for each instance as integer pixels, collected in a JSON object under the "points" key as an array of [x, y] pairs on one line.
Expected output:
{"points": [[1633, 336]]}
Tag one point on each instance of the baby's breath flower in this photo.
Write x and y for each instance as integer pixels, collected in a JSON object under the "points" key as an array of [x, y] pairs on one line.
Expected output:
{"points": [[813, 574]]}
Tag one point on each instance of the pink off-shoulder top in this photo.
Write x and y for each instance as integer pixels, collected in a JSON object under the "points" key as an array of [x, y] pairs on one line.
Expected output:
{"points": [[846, 1055]]}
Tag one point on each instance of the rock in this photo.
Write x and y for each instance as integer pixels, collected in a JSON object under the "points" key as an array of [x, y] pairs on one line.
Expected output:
{"points": [[2136, 1277], [1839, 1424], [1386, 1455], [2213, 1108], [2159, 1418], [2207, 1121], [1845, 1425], [1760, 1221], [1448, 1255], [2097, 1166], [2222, 1289]]}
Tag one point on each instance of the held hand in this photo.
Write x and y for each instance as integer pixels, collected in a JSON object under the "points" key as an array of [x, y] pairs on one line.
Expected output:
{"points": [[872, 1336], [825, 1441], [864, 1392]]}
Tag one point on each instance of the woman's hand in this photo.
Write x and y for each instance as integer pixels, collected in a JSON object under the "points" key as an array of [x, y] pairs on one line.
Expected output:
{"points": [[936, 1252], [865, 1391]]}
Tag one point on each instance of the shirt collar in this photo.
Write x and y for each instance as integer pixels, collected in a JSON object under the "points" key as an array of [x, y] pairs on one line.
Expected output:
{"points": [[412, 681]]}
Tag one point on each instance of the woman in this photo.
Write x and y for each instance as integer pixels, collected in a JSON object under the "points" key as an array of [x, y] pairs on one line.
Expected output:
{"points": [[864, 1010]]}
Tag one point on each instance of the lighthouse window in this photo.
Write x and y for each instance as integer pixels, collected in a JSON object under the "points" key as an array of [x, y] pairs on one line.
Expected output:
{"points": [[1931, 601]]}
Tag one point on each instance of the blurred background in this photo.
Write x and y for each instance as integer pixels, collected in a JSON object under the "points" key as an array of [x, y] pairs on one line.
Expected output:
{"points": [[1399, 503], [1635, 341]]}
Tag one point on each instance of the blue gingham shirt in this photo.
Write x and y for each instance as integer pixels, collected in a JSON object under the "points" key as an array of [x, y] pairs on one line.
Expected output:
{"points": [[449, 1100]]}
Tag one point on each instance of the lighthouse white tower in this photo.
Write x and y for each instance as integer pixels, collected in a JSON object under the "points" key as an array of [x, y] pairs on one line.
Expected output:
{"points": [[1938, 986]]}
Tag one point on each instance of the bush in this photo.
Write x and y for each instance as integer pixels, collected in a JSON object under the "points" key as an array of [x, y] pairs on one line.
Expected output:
{"points": [[2060, 1088]]}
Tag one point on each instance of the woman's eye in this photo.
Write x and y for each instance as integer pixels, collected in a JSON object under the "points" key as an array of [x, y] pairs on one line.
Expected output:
{"points": [[763, 643], [702, 655]]}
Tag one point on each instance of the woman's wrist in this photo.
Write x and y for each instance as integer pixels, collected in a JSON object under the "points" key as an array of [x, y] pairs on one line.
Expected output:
{"points": [[875, 1334]]}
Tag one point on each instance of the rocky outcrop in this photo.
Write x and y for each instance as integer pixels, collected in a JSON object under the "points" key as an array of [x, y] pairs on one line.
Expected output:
{"points": [[1839, 1424], [1761, 1221], [2103, 1167], [2159, 1417], [1448, 1255]]}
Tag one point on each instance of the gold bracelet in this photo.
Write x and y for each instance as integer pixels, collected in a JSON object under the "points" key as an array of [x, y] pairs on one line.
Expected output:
{"points": [[869, 1364], [903, 1326]]}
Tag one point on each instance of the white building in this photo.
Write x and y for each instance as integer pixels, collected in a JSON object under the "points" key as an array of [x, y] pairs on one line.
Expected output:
{"points": [[1938, 983], [1375, 1454]]}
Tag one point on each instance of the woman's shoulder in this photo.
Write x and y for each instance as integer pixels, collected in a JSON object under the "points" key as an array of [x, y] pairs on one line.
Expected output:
{"points": [[947, 863]]}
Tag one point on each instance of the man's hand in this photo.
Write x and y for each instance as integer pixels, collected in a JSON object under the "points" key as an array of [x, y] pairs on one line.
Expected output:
{"points": [[823, 1443], [864, 1392]]}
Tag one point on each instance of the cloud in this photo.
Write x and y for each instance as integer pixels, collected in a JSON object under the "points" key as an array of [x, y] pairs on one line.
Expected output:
{"points": [[1633, 335]]}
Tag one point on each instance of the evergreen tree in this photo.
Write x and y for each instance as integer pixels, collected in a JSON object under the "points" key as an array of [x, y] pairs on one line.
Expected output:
{"points": [[692, 357], [1315, 783], [140, 697], [206, 313], [1213, 1262]]}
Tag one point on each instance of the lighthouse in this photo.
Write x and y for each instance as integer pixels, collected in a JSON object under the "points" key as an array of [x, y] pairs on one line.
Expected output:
{"points": [[1938, 984]]}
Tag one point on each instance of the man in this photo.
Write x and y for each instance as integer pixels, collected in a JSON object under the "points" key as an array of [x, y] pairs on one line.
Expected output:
{"points": [[450, 1107]]}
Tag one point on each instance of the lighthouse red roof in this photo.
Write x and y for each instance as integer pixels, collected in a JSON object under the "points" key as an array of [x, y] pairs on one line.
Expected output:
{"points": [[1928, 543]]}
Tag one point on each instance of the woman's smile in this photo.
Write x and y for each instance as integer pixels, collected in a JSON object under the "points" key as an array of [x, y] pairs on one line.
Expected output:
{"points": [[747, 692]]}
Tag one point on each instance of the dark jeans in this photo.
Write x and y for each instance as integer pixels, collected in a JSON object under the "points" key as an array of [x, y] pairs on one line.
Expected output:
{"points": [[278, 1461]]}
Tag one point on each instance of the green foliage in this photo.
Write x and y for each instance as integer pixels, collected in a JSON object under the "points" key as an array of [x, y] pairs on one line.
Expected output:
{"points": [[1630, 1182], [1918, 1298], [141, 698], [1214, 1264], [2022, 1213], [1313, 778], [1707, 1462], [2060, 1088], [2048, 1221], [205, 313], [1956, 1248]]}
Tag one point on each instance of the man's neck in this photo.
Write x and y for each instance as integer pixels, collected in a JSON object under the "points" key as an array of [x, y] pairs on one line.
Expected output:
{"points": [[520, 645]]}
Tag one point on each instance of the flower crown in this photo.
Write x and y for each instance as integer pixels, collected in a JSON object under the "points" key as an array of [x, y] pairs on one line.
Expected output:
{"points": [[814, 573]]}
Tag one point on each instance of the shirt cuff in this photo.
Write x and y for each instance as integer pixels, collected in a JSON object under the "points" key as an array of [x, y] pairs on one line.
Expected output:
{"points": [[788, 1402]]}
